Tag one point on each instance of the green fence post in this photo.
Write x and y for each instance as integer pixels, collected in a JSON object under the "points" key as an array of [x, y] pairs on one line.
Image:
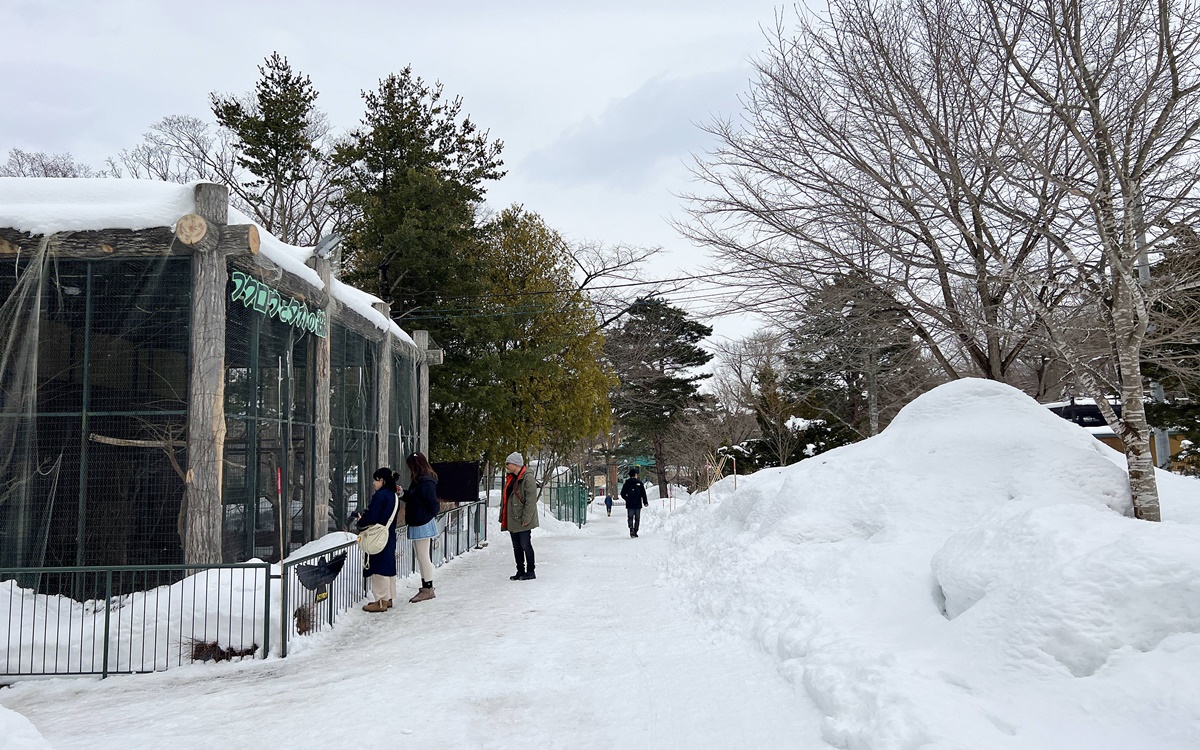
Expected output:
{"points": [[283, 618], [107, 618], [267, 610]]}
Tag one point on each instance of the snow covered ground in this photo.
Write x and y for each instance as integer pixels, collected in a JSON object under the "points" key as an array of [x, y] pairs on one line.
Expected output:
{"points": [[966, 580], [593, 654]]}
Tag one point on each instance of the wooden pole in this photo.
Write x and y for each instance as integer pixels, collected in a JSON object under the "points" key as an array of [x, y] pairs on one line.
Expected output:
{"points": [[383, 397], [422, 340], [206, 399], [322, 493]]}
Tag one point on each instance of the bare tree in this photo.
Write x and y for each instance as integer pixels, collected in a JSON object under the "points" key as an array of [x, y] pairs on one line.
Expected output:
{"points": [[183, 148], [753, 370], [999, 168], [861, 152], [1113, 87], [41, 164]]}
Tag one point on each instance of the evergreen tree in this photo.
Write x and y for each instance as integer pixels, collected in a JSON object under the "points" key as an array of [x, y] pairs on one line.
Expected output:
{"points": [[414, 175], [854, 360], [654, 351], [274, 131], [538, 380]]}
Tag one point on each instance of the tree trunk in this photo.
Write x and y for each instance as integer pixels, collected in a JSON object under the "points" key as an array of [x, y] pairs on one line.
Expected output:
{"points": [[1135, 429], [873, 391], [660, 462]]}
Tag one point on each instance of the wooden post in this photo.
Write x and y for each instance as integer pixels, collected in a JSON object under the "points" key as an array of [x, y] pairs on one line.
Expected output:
{"points": [[383, 396], [422, 340], [201, 232], [323, 493]]}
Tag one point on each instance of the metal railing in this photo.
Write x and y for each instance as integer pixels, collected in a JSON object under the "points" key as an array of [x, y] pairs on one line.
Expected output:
{"points": [[311, 607], [147, 618], [131, 618], [462, 529]]}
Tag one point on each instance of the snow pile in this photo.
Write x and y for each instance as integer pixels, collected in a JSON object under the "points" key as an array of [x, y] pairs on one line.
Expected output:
{"points": [[19, 732], [967, 579]]}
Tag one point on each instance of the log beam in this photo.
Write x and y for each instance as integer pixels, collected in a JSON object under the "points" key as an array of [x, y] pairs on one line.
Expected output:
{"points": [[106, 243]]}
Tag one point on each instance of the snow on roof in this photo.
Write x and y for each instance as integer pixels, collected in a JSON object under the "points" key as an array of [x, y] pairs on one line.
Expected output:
{"points": [[361, 302], [41, 205], [290, 258]]}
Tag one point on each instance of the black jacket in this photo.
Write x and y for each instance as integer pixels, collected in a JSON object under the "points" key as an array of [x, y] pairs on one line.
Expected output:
{"points": [[421, 502], [634, 493]]}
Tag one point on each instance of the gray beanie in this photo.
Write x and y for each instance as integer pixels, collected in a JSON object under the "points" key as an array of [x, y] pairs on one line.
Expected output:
{"points": [[515, 458]]}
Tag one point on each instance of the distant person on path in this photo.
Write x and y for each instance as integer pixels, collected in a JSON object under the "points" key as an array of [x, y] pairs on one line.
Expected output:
{"points": [[381, 567], [421, 507], [633, 492], [518, 514], [608, 503]]}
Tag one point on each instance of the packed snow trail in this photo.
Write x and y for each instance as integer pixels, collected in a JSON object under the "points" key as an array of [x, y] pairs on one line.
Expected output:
{"points": [[595, 653]]}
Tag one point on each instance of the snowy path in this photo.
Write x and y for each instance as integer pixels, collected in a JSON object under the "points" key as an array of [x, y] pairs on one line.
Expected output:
{"points": [[593, 654]]}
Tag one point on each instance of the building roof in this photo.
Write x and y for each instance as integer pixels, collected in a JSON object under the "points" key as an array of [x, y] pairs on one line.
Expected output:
{"points": [[44, 205]]}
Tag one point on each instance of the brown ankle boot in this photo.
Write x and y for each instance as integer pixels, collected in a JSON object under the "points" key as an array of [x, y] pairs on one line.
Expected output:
{"points": [[376, 606], [424, 594]]}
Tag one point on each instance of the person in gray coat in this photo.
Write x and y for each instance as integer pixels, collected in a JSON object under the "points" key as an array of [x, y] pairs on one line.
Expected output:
{"points": [[518, 514]]}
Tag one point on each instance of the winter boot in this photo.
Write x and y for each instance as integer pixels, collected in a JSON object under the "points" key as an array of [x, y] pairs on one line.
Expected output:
{"points": [[375, 606], [388, 602], [519, 575], [424, 594], [527, 576]]}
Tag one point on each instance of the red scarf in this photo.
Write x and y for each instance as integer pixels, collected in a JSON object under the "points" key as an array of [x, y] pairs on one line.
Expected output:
{"points": [[508, 488]]}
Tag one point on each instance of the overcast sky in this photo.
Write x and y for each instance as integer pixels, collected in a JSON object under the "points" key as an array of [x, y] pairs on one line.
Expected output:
{"points": [[597, 106]]}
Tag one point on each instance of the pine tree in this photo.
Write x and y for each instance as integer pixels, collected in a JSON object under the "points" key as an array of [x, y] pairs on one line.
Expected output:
{"points": [[654, 352], [414, 175], [274, 131], [854, 359]]}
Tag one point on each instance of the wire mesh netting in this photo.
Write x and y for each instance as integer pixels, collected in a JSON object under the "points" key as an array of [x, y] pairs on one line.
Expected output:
{"points": [[93, 389], [354, 421], [269, 436], [404, 437]]}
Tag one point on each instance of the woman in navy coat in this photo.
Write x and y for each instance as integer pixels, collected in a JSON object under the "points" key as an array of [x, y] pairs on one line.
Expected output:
{"points": [[381, 567]]}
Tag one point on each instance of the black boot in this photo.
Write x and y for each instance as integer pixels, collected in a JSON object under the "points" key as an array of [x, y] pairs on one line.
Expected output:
{"points": [[527, 576], [520, 576]]}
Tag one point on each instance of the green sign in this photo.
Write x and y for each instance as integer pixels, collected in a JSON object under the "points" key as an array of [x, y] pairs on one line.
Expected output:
{"points": [[255, 294]]}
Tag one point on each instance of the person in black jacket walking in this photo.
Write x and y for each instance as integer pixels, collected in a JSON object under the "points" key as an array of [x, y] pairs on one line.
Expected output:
{"points": [[421, 506], [633, 492]]}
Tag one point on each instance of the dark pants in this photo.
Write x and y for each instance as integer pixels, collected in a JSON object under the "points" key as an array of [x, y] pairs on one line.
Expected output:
{"points": [[635, 518], [523, 550]]}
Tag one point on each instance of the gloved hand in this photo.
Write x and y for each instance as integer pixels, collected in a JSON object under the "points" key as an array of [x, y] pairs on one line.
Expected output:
{"points": [[646, 503]]}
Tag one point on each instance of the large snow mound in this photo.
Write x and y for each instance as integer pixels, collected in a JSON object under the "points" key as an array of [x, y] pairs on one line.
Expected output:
{"points": [[969, 578]]}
